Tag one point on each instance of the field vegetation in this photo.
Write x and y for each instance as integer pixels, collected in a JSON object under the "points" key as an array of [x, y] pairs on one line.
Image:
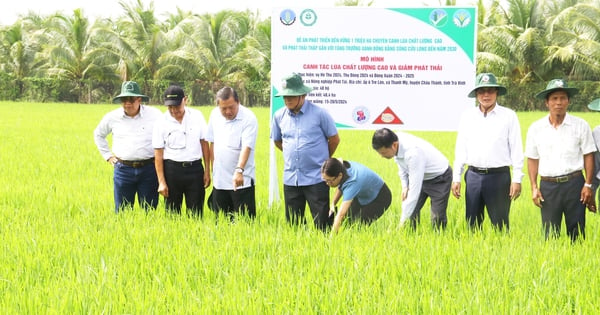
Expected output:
{"points": [[65, 251]]}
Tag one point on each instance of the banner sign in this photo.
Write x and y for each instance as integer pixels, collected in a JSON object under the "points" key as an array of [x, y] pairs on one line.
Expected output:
{"points": [[403, 68]]}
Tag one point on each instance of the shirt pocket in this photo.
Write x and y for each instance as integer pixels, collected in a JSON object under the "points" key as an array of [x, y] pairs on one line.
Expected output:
{"points": [[234, 139]]}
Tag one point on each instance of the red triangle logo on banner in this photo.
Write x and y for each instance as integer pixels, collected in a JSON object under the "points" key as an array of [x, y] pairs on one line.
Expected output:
{"points": [[388, 117]]}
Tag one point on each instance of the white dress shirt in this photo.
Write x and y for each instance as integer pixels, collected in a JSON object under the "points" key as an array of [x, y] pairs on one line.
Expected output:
{"points": [[131, 136], [230, 137], [417, 160], [559, 150], [180, 141], [489, 141]]}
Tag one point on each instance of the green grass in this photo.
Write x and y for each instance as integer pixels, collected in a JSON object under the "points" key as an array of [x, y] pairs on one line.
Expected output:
{"points": [[64, 250]]}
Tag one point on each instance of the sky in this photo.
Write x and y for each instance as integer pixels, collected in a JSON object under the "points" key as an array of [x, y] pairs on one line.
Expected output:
{"points": [[110, 8]]}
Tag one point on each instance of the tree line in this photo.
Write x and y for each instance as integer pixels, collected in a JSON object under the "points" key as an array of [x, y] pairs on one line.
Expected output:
{"points": [[70, 58]]}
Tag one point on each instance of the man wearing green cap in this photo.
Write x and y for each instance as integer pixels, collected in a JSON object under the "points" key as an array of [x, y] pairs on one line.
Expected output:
{"points": [[558, 147], [489, 142], [132, 154], [307, 136]]}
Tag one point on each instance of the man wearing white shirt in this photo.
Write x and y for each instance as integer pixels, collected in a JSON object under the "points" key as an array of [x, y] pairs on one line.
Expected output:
{"points": [[489, 142], [179, 150], [232, 131], [131, 156], [558, 148], [424, 172]]}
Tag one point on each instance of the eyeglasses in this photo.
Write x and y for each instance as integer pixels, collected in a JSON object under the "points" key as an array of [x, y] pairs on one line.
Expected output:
{"points": [[128, 99], [176, 140], [330, 180]]}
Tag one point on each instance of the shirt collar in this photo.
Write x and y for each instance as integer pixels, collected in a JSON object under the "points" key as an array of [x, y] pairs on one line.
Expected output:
{"points": [[302, 110], [493, 111], [239, 115], [567, 121], [139, 114], [401, 151]]}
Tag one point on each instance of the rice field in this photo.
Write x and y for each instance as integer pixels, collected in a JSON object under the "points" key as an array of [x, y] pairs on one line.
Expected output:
{"points": [[65, 251]]}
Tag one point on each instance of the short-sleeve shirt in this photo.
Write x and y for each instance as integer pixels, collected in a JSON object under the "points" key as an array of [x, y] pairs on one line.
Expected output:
{"points": [[305, 145], [180, 141], [362, 184], [559, 150], [229, 138]]}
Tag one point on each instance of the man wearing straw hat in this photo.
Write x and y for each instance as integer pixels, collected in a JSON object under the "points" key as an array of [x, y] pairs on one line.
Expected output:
{"points": [[489, 142], [307, 136], [132, 155], [559, 146]]}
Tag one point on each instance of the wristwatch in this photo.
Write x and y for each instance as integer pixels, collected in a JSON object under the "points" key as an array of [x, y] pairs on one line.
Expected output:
{"points": [[587, 185], [239, 170]]}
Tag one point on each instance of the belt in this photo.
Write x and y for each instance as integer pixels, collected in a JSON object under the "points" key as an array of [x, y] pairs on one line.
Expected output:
{"points": [[561, 179], [489, 170], [183, 164], [136, 163]]}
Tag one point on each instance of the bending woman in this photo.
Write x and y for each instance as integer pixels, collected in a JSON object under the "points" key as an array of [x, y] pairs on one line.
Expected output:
{"points": [[365, 195]]}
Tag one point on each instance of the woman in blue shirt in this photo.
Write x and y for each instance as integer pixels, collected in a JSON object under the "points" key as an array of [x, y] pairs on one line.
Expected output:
{"points": [[365, 195]]}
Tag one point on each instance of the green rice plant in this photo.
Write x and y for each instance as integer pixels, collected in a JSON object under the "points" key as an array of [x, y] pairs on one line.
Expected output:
{"points": [[65, 251]]}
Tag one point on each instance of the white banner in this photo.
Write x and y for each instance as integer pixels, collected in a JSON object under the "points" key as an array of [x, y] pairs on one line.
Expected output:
{"points": [[405, 68]]}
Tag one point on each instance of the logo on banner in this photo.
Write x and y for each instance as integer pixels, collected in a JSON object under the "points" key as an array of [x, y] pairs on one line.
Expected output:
{"points": [[287, 17], [438, 17], [308, 17], [360, 114], [388, 117], [462, 18]]}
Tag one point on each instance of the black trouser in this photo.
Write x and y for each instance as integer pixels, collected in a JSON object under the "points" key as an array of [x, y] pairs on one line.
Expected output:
{"points": [[489, 190], [185, 178], [231, 202], [316, 195], [368, 213], [563, 199]]}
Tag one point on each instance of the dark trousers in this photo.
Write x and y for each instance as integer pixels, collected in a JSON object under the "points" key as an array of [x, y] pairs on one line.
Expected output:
{"points": [[129, 181], [367, 214], [231, 202], [438, 191], [316, 195], [491, 191], [185, 180], [563, 199]]}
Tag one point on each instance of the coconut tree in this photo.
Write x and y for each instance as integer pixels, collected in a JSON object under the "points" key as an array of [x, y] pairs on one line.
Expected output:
{"points": [[574, 41], [257, 63], [74, 55], [140, 41], [212, 49], [18, 53], [515, 46]]}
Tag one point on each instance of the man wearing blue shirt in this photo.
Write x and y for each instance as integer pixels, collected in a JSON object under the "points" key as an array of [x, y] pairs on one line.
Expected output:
{"points": [[307, 136]]}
